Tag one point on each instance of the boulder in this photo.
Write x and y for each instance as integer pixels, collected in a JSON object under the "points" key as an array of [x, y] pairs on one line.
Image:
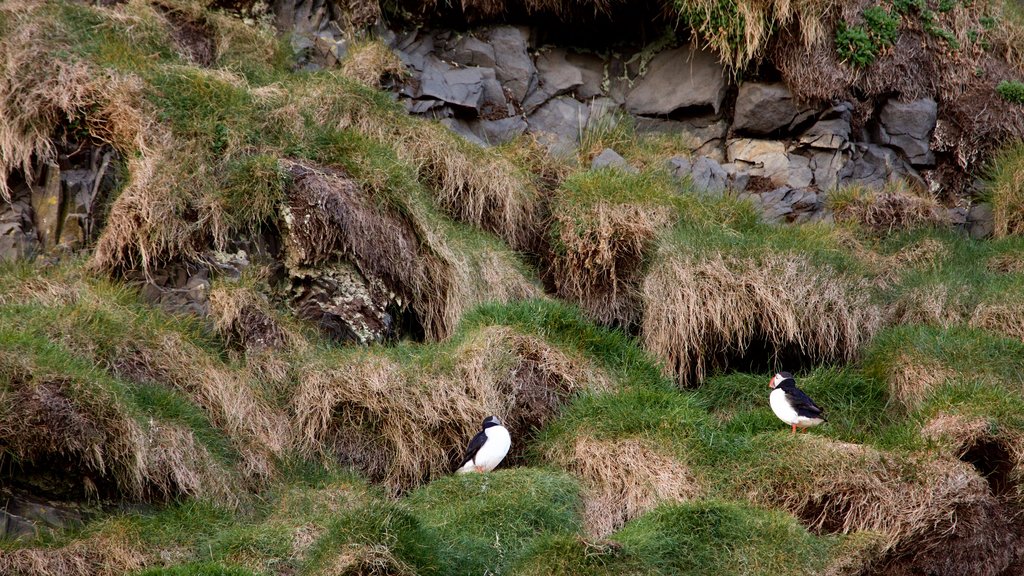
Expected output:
{"points": [[495, 132], [679, 78], [765, 158], [874, 166], [469, 50], [493, 105], [558, 123], [908, 127], [826, 166], [800, 173], [785, 204], [609, 158], [512, 62], [555, 76], [18, 240], [980, 221], [767, 108], [591, 69], [832, 130], [463, 128], [414, 48]]}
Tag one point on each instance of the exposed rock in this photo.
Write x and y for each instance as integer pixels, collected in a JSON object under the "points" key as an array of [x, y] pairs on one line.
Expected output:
{"points": [[765, 158], [414, 48], [980, 221], [494, 104], [874, 166], [800, 173], [558, 124], [24, 515], [46, 202], [469, 50], [513, 65], [826, 167], [463, 128], [832, 130], [459, 86], [609, 158], [706, 175], [681, 78], [591, 69], [493, 132], [767, 108], [18, 239], [346, 306], [556, 76], [707, 133], [908, 126], [602, 112], [787, 204]]}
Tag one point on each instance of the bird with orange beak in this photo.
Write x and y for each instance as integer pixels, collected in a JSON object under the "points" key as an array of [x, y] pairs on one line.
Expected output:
{"points": [[791, 405]]}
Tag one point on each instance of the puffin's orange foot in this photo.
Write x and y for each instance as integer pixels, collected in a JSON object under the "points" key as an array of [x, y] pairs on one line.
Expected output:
{"points": [[794, 428]]}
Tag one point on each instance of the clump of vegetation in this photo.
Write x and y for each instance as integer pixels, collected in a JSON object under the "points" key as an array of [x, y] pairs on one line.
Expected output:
{"points": [[1011, 90], [1006, 190], [861, 45], [886, 211]]}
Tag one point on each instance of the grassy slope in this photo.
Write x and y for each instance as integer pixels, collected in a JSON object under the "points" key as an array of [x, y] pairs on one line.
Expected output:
{"points": [[309, 518]]}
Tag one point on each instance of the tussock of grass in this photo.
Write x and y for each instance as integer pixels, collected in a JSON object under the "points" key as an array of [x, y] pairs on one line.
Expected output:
{"points": [[109, 327], [1006, 190], [698, 313], [887, 211], [406, 421], [605, 223], [38, 94], [103, 555], [371, 62], [920, 505], [740, 32], [712, 537], [622, 479]]}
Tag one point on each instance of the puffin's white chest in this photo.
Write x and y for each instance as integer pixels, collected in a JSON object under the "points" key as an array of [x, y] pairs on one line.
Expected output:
{"points": [[781, 407], [494, 450]]}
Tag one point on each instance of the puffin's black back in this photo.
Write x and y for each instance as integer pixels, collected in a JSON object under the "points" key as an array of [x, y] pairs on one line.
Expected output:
{"points": [[800, 401]]}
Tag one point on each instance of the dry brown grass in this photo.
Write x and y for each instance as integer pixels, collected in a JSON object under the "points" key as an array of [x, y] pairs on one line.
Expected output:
{"points": [[39, 93], [51, 419], [242, 316], [227, 396], [1006, 190], [623, 479], [103, 555], [403, 425], [938, 512], [1006, 263], [937, 305], [698, 314], [600, 256], [910, 379], [371, 62], [366, 560], [1005, 318], [1001, 450], [887, 211]]}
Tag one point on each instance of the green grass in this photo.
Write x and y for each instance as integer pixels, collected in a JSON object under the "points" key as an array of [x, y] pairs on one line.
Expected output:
{"points": [[1005, 190], [711, 538], [198, 569], [484, 522]]}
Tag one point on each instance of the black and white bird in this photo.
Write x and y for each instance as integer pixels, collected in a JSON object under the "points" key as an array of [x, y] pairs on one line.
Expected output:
{"points": [[791, 405], [488, 448]]}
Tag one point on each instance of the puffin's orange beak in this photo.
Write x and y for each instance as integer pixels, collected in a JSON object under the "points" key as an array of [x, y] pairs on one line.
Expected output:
{"points": [[771, 381]]}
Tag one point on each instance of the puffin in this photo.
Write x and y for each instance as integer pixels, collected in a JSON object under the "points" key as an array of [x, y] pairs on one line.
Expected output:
{"points": [[487, 449], [791, 405]]}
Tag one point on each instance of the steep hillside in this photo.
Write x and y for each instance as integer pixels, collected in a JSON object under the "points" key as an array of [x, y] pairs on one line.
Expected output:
{"points": [[264, 268]]}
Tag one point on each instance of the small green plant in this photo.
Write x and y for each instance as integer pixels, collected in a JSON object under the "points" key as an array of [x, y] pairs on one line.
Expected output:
{"points": [[946, 5], [1011, 91], [861, 45], [907, 6]]}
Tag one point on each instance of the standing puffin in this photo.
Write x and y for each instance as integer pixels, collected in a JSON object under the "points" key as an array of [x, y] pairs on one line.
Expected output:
{"points": [[488, 448], [791, 405]]}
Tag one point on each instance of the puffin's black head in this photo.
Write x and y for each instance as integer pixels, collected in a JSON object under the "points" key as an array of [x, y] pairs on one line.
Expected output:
{"points": [[491, 421], [779, 379]]}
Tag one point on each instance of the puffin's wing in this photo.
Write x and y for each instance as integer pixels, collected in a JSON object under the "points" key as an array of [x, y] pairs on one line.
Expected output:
{"points": [[475, 445], [802, 403]]}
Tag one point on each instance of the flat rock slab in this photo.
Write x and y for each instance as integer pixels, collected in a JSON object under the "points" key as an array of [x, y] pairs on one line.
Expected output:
{"points": [[680, 78], [459, 86], [512, 62], [609, 158]]}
